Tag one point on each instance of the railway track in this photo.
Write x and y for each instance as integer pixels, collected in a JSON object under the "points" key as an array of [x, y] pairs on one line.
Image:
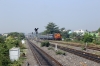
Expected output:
{"points": [[89, 56], [42, 58], [93, 57], [89, 47]]}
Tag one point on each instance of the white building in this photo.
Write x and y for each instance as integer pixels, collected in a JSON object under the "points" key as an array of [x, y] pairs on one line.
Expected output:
{"points": [[5, 34], [82, 32], [14, 54]]}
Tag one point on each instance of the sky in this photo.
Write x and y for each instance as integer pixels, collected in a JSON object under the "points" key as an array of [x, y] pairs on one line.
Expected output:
{"points": [[25, 15]]}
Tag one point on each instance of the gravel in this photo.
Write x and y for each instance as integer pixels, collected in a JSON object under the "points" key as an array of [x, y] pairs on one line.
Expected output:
{"points": [[30, 58], [68, 59], [80, 48]]}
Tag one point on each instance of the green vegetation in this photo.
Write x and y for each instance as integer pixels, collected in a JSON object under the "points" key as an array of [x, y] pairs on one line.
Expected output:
{"points": [[12, 40], [51, 28], [67, 35], [60, 52], [50, 48], [87, 38], [20, 36], [45, 43]]}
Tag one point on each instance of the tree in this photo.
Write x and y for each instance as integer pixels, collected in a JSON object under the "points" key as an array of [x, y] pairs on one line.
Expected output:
{"points": [[98, 30], [12, 40], [73, 35], [17, 35], [87, 38], [4, 55], [62, 29], [65, 34], [2, 39], [52, 28]]}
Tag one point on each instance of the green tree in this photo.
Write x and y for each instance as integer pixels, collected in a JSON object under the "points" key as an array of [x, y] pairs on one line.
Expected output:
{"points": [[73, 35], [65, 34], [17, 35], [4, 55], [98, 30], [52, 28], [2, 39], [12, 42], [62, 29], [87, 38]]}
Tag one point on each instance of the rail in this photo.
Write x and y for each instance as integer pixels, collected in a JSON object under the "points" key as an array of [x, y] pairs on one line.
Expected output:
{"points": [[88, 47], [42, 58], [86, 55]]}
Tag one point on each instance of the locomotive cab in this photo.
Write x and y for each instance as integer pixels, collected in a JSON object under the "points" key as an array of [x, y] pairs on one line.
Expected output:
{"points": [[57, 36]]}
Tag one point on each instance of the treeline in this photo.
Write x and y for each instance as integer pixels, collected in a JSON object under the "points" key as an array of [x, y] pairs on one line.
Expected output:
{"points": [[73, 36], [12, 40]]}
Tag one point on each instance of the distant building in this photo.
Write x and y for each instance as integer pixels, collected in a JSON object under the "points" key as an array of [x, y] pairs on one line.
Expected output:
{"points": [[64, 30], [82, 32], [5, 34]]}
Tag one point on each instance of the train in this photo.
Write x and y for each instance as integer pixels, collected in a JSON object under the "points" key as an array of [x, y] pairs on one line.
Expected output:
{"points": [[55, 36]]}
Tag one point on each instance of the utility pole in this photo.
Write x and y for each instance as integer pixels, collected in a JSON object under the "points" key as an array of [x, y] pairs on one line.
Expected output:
{"points": [[32, 36]]}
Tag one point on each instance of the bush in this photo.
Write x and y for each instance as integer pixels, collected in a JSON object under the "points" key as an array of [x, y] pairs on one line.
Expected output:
{"points": [[42, 44], [63, 53], [46, 43], [60, 53]]}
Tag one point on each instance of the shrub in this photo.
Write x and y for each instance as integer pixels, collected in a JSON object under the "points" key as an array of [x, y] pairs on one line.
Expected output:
{"points": [[42, 44], [60, 53], [63, 53], [46, 43]]}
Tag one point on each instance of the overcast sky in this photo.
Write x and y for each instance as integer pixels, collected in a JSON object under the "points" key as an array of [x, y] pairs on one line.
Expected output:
{"points": [[25, 15]]}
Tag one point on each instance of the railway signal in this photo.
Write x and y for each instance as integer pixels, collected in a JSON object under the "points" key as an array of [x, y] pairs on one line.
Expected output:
{"points": [[36, 30]]}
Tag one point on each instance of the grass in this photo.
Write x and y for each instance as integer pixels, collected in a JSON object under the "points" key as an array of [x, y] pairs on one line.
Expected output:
{"points": [[23, 46], [18, 63]]}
